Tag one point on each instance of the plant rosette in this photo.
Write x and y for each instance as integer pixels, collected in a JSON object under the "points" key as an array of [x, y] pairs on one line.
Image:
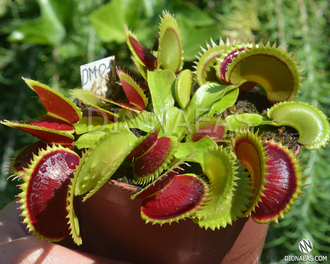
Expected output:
{"points": [[209, 154]]}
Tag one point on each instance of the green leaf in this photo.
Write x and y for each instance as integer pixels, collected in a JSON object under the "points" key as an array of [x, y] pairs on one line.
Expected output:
{"points": [[226, 101], [87, 140], [49, 28], [110, 19], [91, 124], [200, 146], [153, 7], [102, 160], [204, 97], [245, 120], [176, 123], [198, 36], [183, 85], [192, 13], [161, 86], [89, 98], [144, 120]]}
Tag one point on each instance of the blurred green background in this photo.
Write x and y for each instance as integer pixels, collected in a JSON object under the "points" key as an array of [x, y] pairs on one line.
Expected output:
{"points": [[47, 40]]}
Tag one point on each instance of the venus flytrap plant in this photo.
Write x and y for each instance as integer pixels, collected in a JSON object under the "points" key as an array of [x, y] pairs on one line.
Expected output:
{"points": [[203, 153]]}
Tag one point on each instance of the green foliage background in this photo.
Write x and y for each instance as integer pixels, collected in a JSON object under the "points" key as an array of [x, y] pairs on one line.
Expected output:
{"points": [[49, 40]]}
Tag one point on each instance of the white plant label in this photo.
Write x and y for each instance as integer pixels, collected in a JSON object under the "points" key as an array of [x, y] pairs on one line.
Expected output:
{"points": [[99, 76]]}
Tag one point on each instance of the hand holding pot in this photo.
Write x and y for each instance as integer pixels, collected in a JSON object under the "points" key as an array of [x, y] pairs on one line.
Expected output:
{"points": [[18, 246]]}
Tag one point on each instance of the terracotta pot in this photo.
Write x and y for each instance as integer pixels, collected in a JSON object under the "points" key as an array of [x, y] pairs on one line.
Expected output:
{"points": [[112, 228]]}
